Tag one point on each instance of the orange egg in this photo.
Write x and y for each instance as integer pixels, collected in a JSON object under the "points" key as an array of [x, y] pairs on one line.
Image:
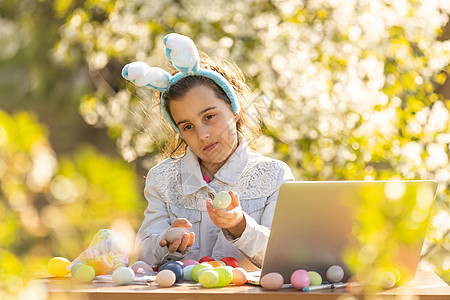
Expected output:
{"points": [[99, 267], [239, 276], [215, 263]]}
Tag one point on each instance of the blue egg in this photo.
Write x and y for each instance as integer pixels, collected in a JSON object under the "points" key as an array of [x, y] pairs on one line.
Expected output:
{"points": [[175, 267]]}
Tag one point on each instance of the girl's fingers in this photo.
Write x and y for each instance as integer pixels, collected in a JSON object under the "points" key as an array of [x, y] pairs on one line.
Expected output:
{"points": [[234, 200], [181, 222], [174, 246], [208, 203], [163, 243], [184, 242], [191, 239]]}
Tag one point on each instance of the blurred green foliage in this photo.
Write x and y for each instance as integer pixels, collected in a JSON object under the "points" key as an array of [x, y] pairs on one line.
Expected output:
{"points": [[346, 90], [53, 206]]}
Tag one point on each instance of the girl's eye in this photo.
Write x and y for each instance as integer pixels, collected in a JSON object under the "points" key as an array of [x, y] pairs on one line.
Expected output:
{"points": [[209, 117], [187, 127]]}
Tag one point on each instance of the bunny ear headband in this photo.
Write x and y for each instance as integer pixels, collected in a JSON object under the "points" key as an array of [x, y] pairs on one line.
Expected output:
{"points": [[183, 54]]}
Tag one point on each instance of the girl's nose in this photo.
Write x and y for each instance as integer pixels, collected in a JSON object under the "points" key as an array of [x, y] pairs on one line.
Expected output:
{"points": [[203, 132]]}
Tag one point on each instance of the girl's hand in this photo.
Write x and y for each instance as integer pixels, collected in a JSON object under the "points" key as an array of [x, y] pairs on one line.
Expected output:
{"points": [[187, 240], [232, 218]]}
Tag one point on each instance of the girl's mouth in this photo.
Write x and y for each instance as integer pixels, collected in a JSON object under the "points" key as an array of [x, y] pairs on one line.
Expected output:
{"points": [[210, 147]]}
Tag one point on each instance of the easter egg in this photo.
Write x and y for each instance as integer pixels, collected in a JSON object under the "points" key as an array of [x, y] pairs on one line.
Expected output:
{"points": [[76, 265], [225, 276], [99, 267], [396, 273], [84, 273], [272, 281], [187, 272], [300, 279], [206, 259], [57, 266], [230, 261], [188, 262], [174, 233], [335, 273], [140, 266], [165, 278], [239, 276], [216, 263], [109, 261], [123, 275], [177, 262], [316, 279], [386, 280], [175, 267], [208, 278], [198, 268], [222, 200]]}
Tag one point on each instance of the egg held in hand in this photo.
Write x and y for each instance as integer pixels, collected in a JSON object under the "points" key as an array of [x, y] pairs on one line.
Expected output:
{"points": [[222, 200], [175, 233]]}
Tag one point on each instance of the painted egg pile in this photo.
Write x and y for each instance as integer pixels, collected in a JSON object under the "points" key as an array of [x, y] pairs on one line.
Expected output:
{"points": [[301, 279], [209, 272]]}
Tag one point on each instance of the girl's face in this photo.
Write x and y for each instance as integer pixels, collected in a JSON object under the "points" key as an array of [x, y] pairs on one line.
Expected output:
{"points": [[207, 123]]}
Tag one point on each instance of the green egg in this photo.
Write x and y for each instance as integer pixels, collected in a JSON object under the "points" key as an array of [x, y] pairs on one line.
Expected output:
{"points": [[208, 278], [195, 270], [76, 265], [84, 274], [316, 279], [222, 200], [225, 276]]}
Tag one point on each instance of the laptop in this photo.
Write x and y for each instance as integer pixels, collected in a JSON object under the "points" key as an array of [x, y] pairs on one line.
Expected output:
{"points": [[361, 226]]}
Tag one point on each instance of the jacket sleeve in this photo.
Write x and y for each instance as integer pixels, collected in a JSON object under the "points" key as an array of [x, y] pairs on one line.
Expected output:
{"points": [[154, 227], [253, 241]]}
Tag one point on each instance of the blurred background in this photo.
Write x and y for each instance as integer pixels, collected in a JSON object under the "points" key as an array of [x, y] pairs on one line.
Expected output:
{"points": [[346, 90]]}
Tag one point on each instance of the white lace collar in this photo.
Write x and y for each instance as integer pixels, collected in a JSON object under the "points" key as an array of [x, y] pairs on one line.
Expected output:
{"points": [[191, 175]]}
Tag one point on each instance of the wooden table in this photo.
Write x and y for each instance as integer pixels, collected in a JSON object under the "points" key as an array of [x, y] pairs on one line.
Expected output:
{"points": [[426, 285]]}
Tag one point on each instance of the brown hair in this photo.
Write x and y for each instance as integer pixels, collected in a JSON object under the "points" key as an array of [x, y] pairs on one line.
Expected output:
{"points": [[247, 124]]}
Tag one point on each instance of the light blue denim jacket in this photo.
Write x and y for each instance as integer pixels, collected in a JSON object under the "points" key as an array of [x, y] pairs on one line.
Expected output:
{"points": [[175, 189]]}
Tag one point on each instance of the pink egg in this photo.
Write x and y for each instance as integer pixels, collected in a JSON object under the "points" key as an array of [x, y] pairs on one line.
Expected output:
{"points": [[272, 281], [165, 278], [239, 276], [189, 262], [300, 279]]}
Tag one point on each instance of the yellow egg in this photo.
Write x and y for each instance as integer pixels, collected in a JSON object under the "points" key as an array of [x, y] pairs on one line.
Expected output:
{"points": [[57, 266]]}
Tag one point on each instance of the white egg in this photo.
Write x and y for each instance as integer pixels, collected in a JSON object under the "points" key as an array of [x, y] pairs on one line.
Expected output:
{"points": [[165, 278], [175, 233], [272, 281], [335, 273], [123, 275]]}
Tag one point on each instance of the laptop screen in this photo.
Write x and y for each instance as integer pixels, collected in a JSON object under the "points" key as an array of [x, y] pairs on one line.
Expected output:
{"points": [[362, 226]]}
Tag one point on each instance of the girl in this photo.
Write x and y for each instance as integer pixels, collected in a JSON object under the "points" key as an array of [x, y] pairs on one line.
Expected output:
{"points": [[203, 106]]}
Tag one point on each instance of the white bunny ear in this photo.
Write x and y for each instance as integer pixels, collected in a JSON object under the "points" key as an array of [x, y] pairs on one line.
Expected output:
{"points": [[142, 74], [157, 79], [182, 52], [135, 70]]}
